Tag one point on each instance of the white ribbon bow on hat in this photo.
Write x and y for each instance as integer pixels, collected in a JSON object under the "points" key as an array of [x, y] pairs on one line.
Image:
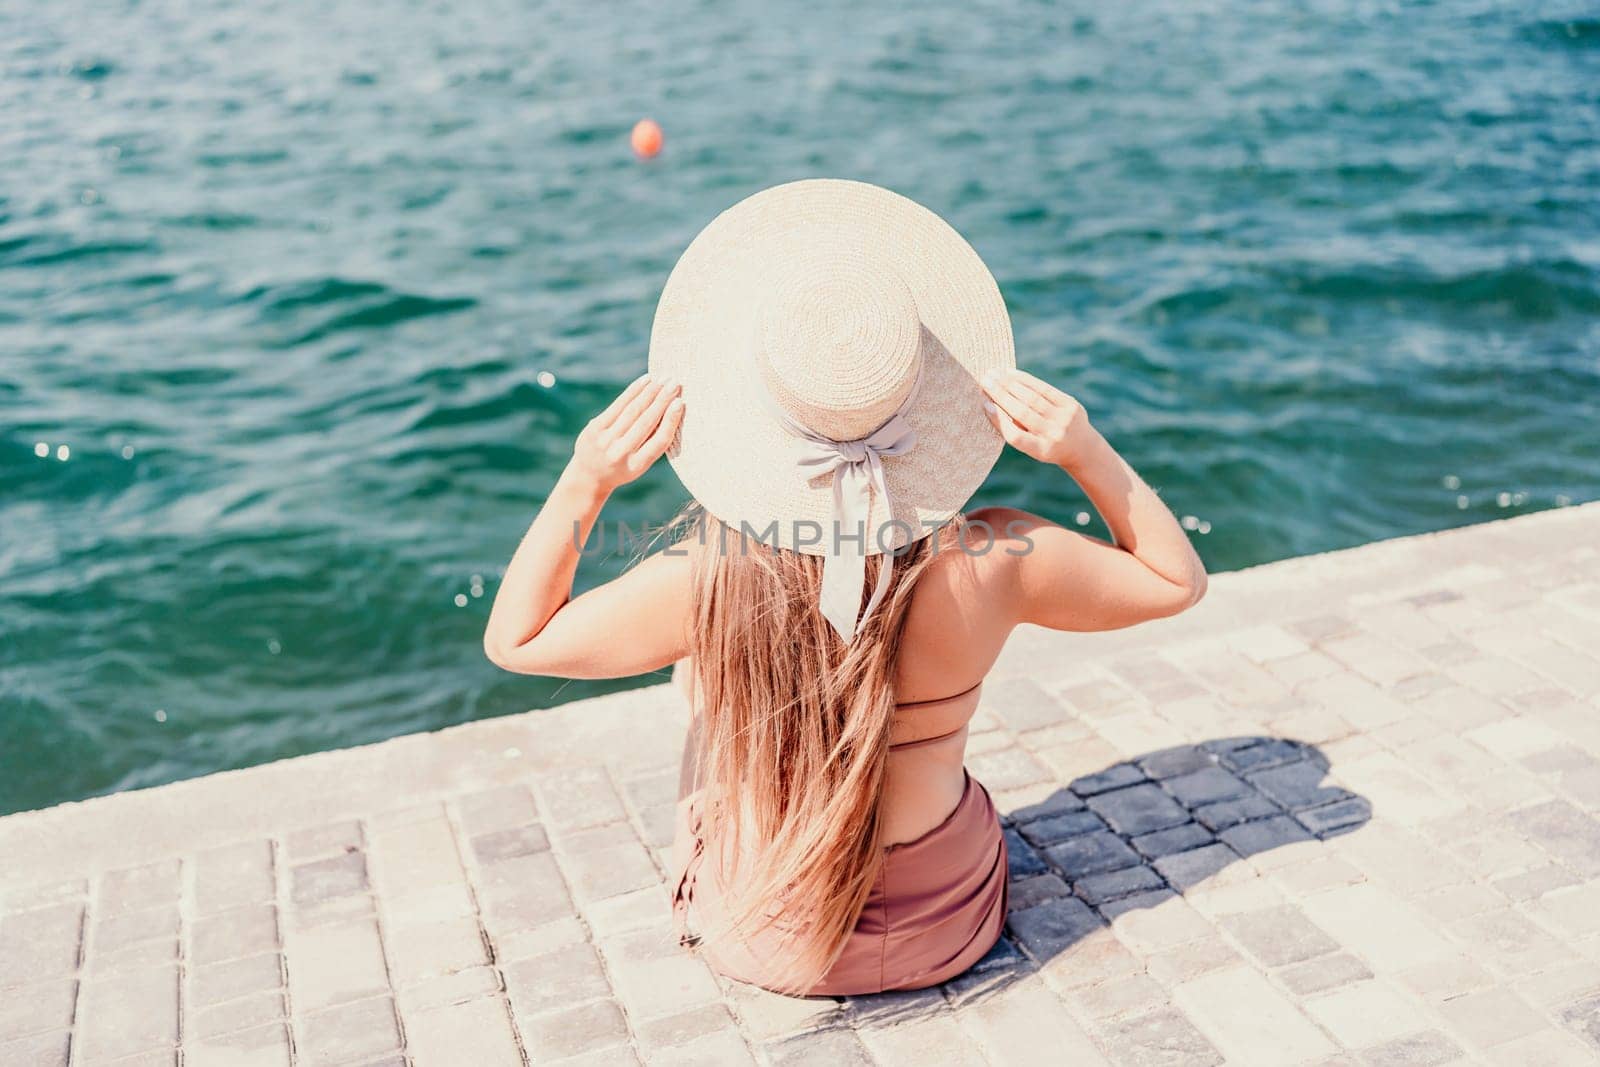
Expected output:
{"points": [[857, 469]]}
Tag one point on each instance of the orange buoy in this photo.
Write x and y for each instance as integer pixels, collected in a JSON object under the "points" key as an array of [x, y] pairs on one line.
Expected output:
{"points": [[646, 139]]}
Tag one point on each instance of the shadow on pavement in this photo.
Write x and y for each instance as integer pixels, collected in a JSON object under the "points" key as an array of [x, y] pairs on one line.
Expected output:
{"points": [[1135, 833]]}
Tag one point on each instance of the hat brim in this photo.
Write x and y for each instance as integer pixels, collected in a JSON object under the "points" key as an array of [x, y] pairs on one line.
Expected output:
{"points": [[733, 456]]}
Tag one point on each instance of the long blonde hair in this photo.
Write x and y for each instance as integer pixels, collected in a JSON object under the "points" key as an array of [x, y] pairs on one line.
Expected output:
{"points": [[794, 740]]}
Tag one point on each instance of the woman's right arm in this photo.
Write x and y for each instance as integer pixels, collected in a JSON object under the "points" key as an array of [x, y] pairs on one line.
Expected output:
{"points": [[1066, 580]]}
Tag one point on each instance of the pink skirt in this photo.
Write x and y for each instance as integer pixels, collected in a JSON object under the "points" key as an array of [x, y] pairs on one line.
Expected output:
{"points": [[938, 905]]}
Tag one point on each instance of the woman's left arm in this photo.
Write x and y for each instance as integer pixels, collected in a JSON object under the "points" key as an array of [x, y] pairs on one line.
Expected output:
{"points": [[633, 624]]}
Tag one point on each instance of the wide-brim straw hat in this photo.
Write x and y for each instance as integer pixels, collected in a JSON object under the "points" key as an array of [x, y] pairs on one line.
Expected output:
{"points": [[830, 307]]}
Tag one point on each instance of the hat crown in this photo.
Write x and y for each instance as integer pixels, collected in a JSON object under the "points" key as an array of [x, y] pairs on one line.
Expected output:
{"points": [[839, 343]]}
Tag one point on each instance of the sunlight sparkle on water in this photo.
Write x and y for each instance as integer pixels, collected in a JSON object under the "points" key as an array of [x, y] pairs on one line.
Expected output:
{"points": [[161, 715], [545, 378], [63, 453], [461, 600], [41, 449], [1452, 482]]}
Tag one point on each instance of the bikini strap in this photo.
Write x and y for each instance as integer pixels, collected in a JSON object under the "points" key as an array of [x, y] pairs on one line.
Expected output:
{"points": [[919, 742], [942, 700]]}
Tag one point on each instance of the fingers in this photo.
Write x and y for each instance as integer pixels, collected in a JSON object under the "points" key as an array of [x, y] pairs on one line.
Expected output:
{"points": [[1014, 435], [631, 433], [1037, 386], [623, 399], [658, 442], [1021, 405]]}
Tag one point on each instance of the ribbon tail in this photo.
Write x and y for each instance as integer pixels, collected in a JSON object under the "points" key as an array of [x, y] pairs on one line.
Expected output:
{"points": [[844, 570]]}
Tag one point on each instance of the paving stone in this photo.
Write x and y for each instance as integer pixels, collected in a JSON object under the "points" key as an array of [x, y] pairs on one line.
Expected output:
{"points": [[1208, 785], [492, 810], [685, 1027], [1254, 838], [315, 842], [1510, 943], [1175, 761], [650, 989], [243, 931], [840, 1047], [1007, 768], [477, 1031], [1184, 870], [40, 1050], [417, 855], [1014, 1024], [1047, 928], [1583, 1019], [578, 799], [1337, 818], [1563, 831], [245, 1013], [628, 911], [36, 1008], [230, 876], [1279, 936], [1129, 995], [325, 879], [1059, 828], [1298, 785], [40, 943], [1222, 815], [1115, 777], [1058, 802], [504, 844], [939, 1039], [1242, 1014], [1179, 963], [262, 1046], [423, 949], [1364, 1014], [569, 1031], [1490, 1017], [724, 1047], [131, 927], [139, 887], [217, 982], [1162, 1038], [1021, 858], [347, 1033], [1022, 704], [1547, 1048], [1098, 889], [544, 983], [1172, 840], [1153, 921], [1264, 753], [1323, 973], [336, 964], [457, 987], [127, 1014], [1035, 889], [1091, 854], [1139, 809], [1428, 1048], [523, 893]]}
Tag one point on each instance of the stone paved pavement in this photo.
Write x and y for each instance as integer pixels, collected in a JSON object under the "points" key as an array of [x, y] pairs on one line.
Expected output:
{"points": [[1346, 811]]}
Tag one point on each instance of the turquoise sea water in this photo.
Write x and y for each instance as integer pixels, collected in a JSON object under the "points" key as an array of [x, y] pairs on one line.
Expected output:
{"points": [[303, 302]]}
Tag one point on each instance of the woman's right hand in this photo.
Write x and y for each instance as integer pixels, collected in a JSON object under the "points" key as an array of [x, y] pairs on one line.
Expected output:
{"points": [[1037, 419], [620, 443]]}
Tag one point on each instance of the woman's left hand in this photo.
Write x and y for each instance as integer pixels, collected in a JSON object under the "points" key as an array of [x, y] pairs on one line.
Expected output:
{"points": [[621, 442]]}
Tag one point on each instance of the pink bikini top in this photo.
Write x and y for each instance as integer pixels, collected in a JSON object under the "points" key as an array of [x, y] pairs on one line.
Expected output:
{"points": [[901, 746]]}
